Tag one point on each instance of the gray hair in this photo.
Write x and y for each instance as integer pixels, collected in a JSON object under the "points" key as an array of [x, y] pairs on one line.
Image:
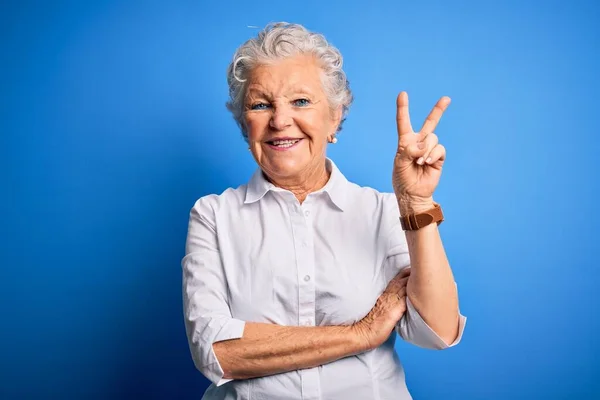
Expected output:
{"points": [[277, 41]]}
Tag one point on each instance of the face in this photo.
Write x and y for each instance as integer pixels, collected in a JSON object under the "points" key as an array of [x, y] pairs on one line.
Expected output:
{"points": [[288, 117]]}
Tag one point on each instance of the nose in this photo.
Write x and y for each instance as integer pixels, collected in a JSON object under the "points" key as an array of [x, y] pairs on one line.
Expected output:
{"points": [[280, 119]]}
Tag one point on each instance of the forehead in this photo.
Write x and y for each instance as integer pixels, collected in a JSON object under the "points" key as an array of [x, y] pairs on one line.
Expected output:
{"points": [[291, 74]]}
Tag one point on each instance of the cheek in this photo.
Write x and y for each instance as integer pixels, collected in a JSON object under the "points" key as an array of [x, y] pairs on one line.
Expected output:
{"points": [[315, 125], [255, 126]]}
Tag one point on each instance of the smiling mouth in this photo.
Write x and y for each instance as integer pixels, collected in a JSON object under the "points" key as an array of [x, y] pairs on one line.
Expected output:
{"points": [[282, 144]]}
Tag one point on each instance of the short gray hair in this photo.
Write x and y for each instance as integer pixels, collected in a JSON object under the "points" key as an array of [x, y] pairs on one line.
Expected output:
{"points": [[277, 41]]}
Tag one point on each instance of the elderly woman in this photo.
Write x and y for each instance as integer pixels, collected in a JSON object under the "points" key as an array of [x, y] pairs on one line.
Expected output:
{"points": [[296, 283]]}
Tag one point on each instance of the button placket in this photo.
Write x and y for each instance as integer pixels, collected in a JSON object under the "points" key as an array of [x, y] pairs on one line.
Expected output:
{"points": [[305, 269], [305, 264], [311, 384]]}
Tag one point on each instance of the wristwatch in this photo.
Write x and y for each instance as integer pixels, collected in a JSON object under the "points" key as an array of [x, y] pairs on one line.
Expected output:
{"points": [[412, 222]]}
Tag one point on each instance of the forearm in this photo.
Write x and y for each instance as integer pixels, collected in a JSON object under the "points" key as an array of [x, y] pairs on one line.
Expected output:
{"points": [[267, 349], [431, 287]]}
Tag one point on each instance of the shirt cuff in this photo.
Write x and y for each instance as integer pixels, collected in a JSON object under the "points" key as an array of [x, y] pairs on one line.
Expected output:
{"points": [[232, 329], [413, 328]]}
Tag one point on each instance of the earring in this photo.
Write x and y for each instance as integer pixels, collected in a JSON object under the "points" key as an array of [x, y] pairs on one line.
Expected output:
{"points": [[333, 139]]}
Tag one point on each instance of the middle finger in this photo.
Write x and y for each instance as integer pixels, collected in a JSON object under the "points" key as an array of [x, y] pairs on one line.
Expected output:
{"points": [[434, 116]]}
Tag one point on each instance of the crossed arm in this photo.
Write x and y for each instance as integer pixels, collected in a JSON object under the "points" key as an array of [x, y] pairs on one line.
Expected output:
{"points": [[224, 348]]}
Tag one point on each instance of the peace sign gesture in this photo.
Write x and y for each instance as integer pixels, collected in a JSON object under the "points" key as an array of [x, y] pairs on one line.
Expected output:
{"points": [[419, 158]]}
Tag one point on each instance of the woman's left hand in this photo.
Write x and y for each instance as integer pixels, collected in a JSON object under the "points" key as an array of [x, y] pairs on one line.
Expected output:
{"points": [[419, 158]]}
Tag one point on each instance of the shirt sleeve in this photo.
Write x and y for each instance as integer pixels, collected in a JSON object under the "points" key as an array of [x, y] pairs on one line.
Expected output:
{"points": [[206, 311], [411, 327]]}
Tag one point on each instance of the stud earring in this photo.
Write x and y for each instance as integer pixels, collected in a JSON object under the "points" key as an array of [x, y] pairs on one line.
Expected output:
{"points": [[332, 139]]}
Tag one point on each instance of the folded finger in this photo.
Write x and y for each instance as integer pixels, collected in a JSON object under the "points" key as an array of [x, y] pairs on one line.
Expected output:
{"points": [[395, 284], [400, 280], [402, 291], [430, 141], [403, 281], [401, 303], [437, 154]]}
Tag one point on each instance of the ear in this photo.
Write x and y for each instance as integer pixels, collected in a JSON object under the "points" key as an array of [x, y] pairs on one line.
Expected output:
{"points": [[337, 116]]}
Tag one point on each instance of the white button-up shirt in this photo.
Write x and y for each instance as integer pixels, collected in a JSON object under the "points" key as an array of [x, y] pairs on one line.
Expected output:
{"points": [[256, 254]]}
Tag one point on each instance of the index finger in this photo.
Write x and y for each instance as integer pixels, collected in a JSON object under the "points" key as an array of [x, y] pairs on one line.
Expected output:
{"points": [[434, 116], [402, 115], [404, 272]]}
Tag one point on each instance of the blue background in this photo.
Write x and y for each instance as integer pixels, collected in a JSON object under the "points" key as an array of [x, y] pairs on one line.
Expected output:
{"points": [[112, 123]]}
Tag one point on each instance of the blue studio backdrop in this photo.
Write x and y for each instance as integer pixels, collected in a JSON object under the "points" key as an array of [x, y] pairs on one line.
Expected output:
{"points": [[113, 122]]}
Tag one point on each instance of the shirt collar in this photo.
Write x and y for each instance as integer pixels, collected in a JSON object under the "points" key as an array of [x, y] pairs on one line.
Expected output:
{"points": [[335, 188]]}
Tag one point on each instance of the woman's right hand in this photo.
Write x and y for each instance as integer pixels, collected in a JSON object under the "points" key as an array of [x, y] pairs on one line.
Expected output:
{"points": [[376, 326]]}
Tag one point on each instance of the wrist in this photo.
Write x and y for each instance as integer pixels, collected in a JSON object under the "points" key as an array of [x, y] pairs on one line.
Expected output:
{"points": [[359, 338], [413, 205]]}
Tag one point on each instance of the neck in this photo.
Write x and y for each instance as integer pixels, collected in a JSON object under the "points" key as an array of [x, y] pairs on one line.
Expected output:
{"points": [[312, 179]]}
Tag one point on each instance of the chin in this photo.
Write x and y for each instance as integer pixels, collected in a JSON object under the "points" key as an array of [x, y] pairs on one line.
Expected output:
{"points": [[286, 166]]}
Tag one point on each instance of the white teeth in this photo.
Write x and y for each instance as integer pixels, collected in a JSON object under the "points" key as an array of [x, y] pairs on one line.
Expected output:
{"points": [[285, 143]]}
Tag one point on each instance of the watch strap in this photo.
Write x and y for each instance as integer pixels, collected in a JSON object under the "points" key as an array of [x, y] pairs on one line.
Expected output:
{"points": [[413, 222]]}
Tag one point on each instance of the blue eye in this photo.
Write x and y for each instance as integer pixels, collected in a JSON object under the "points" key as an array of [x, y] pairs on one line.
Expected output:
{"points": [[301, 102], [259, 106]]}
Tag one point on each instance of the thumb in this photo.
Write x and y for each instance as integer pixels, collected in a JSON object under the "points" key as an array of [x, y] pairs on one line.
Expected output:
{"points": [[413, 151]]}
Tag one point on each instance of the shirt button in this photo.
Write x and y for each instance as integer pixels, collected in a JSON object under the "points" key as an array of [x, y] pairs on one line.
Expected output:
{"points": [[304, 244], [307, 213], [307, 278]]}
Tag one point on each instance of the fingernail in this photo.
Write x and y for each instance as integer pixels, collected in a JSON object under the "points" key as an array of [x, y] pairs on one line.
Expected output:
{"points": [[428, 160], [421, 145], [420, 161]]}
